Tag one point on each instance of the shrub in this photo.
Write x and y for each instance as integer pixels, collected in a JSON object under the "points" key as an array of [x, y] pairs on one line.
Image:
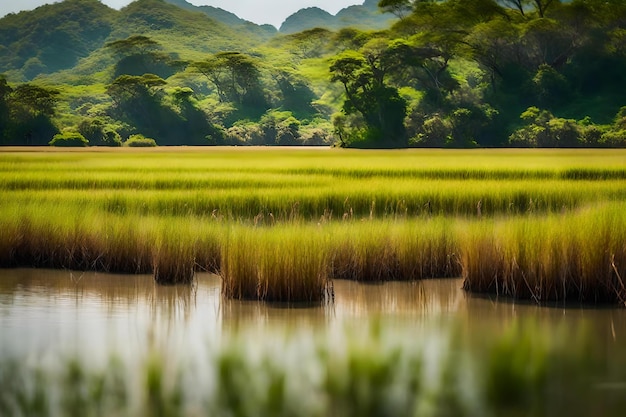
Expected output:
{"points": [[434, 133], [546, 131], [614, 139], [140, 141], [69, 139], [98, 133]]}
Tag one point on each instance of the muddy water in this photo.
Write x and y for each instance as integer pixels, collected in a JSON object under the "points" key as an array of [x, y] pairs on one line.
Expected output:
{"points": [[44, 312]]}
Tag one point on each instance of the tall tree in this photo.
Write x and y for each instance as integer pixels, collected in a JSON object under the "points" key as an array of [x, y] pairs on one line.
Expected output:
{"points": [[235, 76], [140, 55], [400, 8], [31, 110], [364, 78]]}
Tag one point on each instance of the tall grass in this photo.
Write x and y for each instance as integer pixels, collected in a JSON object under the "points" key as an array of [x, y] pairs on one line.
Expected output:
{"points": [[52, 237], [358, 198], [278, 224], [286, 264], [571, 257], [395, 250], [352, 372], [244, 183]]}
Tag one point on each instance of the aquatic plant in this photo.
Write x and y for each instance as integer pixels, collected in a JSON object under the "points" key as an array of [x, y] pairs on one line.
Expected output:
{"points": [[578, 257], [353, 371], [287, 264], [278, 224]]}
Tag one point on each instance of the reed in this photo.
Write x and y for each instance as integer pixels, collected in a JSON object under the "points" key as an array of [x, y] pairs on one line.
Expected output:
{"points": [[238, 183], [352, 197], [577, 257], [170, 248], [306, 215], [173, 260], [286, 264], [353, 372], [395, 250]]}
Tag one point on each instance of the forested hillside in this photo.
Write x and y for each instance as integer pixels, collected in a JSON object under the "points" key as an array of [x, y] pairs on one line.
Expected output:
{"points": [[454, 73]]}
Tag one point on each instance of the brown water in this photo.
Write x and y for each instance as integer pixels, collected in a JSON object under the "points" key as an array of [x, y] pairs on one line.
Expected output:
{"points": [[45, 312]]}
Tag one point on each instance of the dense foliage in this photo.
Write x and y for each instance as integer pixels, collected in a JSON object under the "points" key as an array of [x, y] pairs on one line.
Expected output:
{"points": [[453, 73]]}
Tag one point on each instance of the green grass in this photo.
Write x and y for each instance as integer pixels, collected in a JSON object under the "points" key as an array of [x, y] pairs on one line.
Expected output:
{"points": [[569, 257], [278, 224], [359, 371], [276, 264]]}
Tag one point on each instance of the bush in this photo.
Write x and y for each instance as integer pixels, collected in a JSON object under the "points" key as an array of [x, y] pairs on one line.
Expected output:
{"points": [[614, 139], [69, 139], [435, 132], [140, 141], [546, 131], [98, 133], [280, 128]]}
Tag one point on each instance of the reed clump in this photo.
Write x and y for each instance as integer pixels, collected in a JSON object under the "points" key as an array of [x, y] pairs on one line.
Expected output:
{"points": [[402, 250], [286, 264], [52, 237], [173, 260], [577, 257]]}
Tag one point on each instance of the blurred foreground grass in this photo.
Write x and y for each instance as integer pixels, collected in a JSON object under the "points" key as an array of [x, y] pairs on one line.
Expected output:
{"points": [[374, 370]]}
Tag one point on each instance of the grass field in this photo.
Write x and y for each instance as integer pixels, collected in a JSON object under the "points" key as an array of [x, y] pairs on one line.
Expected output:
{"points": [[279, 223]]}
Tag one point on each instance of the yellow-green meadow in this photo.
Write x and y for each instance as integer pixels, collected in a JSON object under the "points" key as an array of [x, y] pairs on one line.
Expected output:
{"points": [[279, 224]]}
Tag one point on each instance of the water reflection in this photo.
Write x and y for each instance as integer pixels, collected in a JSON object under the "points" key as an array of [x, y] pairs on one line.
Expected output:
{"points": [[46, 310]]}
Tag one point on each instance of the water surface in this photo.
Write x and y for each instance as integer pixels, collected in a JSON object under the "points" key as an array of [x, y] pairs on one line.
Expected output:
{"points": [[44, 312]]}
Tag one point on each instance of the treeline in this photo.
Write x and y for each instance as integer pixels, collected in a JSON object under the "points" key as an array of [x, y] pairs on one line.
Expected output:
{"points": [[461, 72], [455, 73]]}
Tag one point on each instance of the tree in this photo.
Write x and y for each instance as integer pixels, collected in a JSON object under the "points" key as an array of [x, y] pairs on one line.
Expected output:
{"points": [[131, 89], [134, 45], [31, 110], [137, 99], [495, 46], [5, 92], [297, 95], [98, 133], [546, 131], [438, 32], [541, 6], [400, 8], [235, 76], [69, 139], [139, 55], [31, 101], [309, 43], [363, 75], [522, 6], [519, 5]]}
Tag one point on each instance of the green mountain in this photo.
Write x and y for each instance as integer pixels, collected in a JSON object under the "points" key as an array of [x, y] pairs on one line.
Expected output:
{"points": [[71, 35], [366, 16], [228, 18], [53, 37]]}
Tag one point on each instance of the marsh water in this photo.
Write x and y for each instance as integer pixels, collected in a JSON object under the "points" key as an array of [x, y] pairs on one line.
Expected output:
{"points": [[47, 312]]}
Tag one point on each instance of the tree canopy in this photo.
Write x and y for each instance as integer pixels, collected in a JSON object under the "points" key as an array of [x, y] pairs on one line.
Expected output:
{"points": [[445, 73]]}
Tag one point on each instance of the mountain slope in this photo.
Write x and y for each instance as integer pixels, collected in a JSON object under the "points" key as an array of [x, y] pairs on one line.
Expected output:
{"points": [[53, 37], [71, 35], [230, 19], [365, 16]]}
